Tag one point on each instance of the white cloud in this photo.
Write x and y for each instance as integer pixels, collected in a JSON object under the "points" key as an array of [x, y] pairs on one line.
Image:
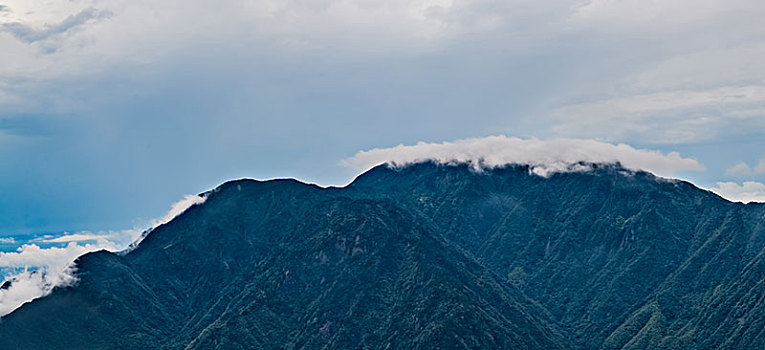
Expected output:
{"points": [[662, 71], [544, 155], [46, 268], [32, 255], [675, 116], [742, 169], [663, 101], [146, 31], [52, 268], [29, 285], [8, 240], [749, 191], [77, 237], [177, 209], [683, 71]]}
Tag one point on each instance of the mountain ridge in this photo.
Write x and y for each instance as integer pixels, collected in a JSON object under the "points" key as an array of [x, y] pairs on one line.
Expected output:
{"points": [[589, 260]]}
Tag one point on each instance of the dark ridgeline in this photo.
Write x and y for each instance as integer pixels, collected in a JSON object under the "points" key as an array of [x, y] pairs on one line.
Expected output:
{"points": [[422, 257]]}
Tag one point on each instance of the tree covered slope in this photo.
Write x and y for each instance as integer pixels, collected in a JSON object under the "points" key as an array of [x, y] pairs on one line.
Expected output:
{"points": [[426, 256]]}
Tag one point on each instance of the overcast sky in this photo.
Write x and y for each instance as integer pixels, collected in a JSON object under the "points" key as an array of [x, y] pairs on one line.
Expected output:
{"points": [[111, 110]]}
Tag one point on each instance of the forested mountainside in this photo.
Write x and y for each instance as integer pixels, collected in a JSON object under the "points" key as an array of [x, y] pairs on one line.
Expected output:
{"points": [[426, 256]]}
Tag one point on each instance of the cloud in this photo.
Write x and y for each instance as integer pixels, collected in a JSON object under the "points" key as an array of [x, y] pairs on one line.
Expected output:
{"points": [[544, 156], [52, 267], [742, 169], [177, 209], [29, 34], [683, 72], [675, 116], [43, 269], [32, 255], [29, 285], [748, 191], [77, 237], [673, 100], [739, 169], [115, 237]]}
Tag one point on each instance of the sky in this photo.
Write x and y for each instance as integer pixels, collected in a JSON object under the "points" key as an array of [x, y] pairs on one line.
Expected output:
{"points": [[112, 110], [114, 114]]}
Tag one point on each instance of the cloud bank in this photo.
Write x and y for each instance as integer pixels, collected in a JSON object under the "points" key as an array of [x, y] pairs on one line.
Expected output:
{"points": [[748, 191], [51, 267], [37, 269], [29, 285], [545, 156]]}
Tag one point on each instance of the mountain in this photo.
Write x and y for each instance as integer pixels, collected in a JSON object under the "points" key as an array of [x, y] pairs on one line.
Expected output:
{"points": [[426, 256]]}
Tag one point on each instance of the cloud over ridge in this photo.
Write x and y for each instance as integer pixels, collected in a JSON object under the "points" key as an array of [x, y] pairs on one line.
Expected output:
{"points": [[544, 156], [41, 269], [746, 192]]}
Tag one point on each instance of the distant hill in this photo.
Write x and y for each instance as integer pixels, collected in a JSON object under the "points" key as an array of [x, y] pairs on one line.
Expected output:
{"points": [[423, 257]]}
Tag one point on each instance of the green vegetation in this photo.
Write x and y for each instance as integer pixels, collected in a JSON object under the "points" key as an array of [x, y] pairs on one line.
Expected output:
{"points": [[425, 257]]}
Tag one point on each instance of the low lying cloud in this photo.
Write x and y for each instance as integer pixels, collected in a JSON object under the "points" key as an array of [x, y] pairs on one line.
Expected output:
{"points": [[32, 255], [29, 285], [748, 191], [38, 269], [43, 269], [545, 156], [77, 237]]}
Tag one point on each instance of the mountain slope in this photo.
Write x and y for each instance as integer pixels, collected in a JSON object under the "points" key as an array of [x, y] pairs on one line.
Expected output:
{"points": [[280, 262], [426, 256], [596, 248]]}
